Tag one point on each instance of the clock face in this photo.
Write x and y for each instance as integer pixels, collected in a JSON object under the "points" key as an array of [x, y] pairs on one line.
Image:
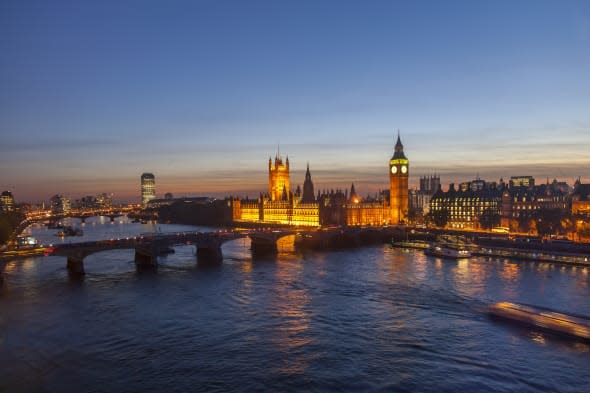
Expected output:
{"points": [[404, 169], [394, 169]]}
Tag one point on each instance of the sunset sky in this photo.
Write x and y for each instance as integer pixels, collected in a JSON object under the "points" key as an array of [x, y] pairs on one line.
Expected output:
{"points": [[200, 93]]}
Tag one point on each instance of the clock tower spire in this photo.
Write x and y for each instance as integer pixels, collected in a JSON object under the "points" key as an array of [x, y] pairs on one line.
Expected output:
{"points": [[398, 184]]}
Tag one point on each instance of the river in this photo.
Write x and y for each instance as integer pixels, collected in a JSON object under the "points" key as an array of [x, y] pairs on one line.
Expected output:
{"points": [[362, 320]]}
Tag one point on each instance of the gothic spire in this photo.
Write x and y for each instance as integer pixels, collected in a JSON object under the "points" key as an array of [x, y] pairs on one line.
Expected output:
{"points": [[308, 193], [399, 149]]}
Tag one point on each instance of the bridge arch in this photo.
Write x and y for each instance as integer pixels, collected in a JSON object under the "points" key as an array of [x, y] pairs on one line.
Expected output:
{"points": [[266, 242], [236, 246], [97, 261]]}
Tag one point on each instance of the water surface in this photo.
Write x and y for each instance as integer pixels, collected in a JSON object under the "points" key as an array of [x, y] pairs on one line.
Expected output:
{"points": [[370, 319]]}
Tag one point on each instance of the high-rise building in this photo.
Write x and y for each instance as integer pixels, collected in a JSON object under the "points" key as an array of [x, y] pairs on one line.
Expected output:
{"points": [[398, 184], [148, 188], [6, 201], [104, 200], [60, 204]]}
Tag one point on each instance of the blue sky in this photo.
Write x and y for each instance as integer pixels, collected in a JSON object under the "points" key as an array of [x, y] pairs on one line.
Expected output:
{"points": [[201, 92]]}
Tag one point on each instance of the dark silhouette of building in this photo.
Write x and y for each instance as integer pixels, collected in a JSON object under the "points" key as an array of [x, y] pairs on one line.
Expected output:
{"points": [[419, 200], [308, 193], [60, 204]]}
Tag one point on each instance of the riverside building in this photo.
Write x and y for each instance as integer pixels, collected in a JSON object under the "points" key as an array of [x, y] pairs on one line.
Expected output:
{"points": [[474, 205], [302, 208]]}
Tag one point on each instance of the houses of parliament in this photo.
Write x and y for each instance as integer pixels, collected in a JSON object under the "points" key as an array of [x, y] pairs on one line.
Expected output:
{"points": [[303, 207]]}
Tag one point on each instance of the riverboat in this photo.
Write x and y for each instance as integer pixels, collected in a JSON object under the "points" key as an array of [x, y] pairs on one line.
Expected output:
{"points": [[543, 318], [409, 244], [70, 231], [447, 251]]}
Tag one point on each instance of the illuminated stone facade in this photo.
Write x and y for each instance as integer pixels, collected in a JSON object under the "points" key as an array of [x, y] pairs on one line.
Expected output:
{"points": [[301, 208], [479, 205], [581, 199], [398, 185], [279, 183], [367, 213], [524, 202], [280, 206]]}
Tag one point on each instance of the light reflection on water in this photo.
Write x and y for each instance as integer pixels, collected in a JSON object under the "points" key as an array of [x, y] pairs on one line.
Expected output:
{"points": [[365, 319]]}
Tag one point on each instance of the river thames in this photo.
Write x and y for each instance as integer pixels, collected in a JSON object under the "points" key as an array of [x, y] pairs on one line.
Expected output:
{"points": [[362, 320]]}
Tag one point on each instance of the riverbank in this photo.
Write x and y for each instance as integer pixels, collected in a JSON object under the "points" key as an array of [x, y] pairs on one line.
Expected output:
{"points": [[577, 259]]}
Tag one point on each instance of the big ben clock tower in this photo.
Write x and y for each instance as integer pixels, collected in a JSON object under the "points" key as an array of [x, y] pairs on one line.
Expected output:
{"points": [[398, 184]]}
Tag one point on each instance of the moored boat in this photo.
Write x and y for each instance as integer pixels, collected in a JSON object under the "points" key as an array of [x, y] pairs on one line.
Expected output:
{"points": [[70, 231], [420, 245], [55, 225], [447, 251]]}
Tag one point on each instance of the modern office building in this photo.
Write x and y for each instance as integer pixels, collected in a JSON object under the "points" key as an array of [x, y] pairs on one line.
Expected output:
{"points": [[148, 188], [60, 204], [104, 201], [6, 201]]}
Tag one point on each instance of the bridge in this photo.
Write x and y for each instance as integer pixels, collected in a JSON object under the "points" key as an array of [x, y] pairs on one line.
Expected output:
{"points": [[208, 244], [83, 214], [149, 246]]}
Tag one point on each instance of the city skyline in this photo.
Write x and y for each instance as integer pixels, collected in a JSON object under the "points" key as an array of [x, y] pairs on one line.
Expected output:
{"points": [[201, 95], [367, 180]]}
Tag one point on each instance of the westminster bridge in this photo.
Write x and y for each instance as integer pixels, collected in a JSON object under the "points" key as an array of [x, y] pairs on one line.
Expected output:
{"points": [[263, 242]]}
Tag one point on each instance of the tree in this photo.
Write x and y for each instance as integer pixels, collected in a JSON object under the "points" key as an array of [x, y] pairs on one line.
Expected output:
{"points": [[489, 219], [524, 223], [440, 217], [549, 221], [8, 223], [532, 226], [415, 216], [514, 225], [583, 229]]}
